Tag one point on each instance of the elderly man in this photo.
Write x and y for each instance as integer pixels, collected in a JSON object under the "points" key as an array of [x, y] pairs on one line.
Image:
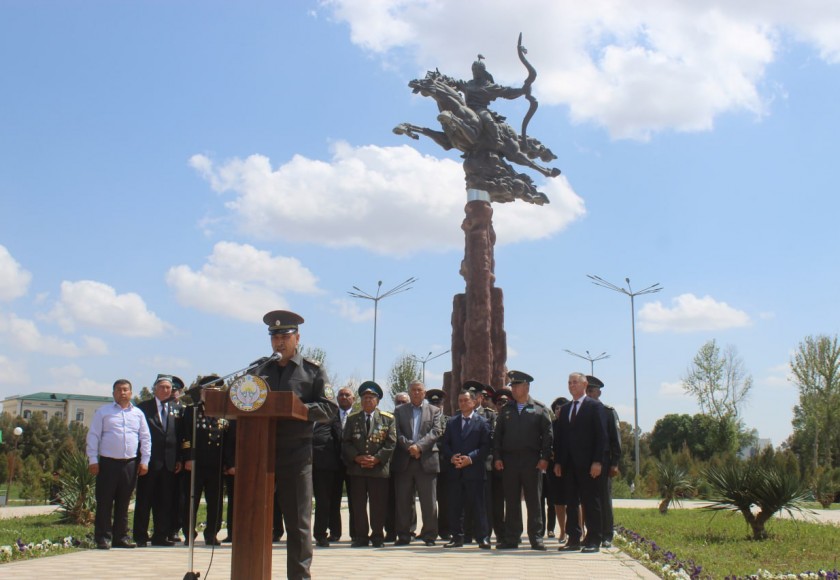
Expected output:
{"points": [[346, 398], [367, 444], [118, 449], [156, 488], [416, 463], [522, 448], [580, 452], [289, 371]]}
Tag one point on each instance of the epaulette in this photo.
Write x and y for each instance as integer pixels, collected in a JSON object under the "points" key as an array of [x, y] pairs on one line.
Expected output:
{"points": [[312, 361], [386, 414]]}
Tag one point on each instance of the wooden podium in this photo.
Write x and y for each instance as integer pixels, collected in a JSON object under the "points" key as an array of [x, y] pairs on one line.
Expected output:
{"points": [[253, 501]]}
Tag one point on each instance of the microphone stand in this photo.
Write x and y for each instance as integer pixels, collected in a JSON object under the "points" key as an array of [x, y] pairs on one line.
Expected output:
{"points": [[192, 574]]}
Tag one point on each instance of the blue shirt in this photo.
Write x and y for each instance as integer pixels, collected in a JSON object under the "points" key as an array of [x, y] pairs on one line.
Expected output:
{"points": [[117, 433], [416, 413]]}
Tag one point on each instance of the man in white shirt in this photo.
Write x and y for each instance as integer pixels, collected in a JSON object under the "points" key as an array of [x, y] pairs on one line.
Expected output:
{"points": [[117, 439]]}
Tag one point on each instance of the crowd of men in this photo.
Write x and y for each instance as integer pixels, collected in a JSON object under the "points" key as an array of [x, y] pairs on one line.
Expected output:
{"points": [[469, 471]]}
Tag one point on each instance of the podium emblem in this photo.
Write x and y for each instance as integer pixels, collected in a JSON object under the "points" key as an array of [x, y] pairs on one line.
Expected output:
{"points": [[248, 392]]}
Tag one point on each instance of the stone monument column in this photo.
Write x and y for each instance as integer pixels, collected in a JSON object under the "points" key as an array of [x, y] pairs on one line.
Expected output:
{"points": [[479, 347]]}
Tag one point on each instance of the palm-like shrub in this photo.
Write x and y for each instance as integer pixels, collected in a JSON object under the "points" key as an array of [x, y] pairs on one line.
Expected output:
{"points": [[757, 492], [673, 483], [77, 489]]}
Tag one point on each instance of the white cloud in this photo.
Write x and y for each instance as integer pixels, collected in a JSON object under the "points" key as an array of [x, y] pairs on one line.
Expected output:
{"points": [[13, 372], [349, 309], [24, 334], [71, 379], [14, 280], [634, 69], [676, 389], [779, 376], [691, 314], [241, 282], [90, 303], [390, 200]]}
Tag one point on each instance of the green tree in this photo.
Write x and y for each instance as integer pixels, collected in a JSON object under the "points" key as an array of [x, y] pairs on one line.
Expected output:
{"points": [[144, 395], [405, 369], [718, 380], [816, 372], [29, 477], [703, 435]]}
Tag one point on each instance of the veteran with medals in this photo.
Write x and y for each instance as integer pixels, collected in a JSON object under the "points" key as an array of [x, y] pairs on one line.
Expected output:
{"points": [[293, 472], [368, 442]]}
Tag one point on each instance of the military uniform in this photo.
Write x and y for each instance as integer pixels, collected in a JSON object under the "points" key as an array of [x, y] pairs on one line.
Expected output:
{"points": [[521, 440], [293, 466], [614, 456], [369, 485], [211, 452]]}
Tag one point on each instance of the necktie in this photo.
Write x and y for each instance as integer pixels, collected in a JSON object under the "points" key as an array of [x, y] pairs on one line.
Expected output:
{"points": [[164, 416], [574, 411], [343, 418], [367, 424]]}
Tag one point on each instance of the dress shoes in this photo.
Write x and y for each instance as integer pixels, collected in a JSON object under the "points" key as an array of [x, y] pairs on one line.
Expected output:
{"points": [[322, 543], [507, 546], [378, 544], [606, 544], [429, 543], [359, 544], [334, 538], [141, 543], [538, 546], [125, 542], [103, 545], [570, 548], [484, 544], [402, 542], [454, 544], [212, 542], [590, 549], [446, 537], [550, 533], [227, 540], [163, 542]]}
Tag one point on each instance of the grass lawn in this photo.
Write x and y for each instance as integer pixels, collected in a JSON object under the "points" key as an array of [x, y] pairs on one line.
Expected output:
{"points": [[721, 543]]}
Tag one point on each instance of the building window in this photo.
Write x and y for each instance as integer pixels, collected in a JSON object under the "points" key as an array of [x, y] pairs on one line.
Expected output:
{"points": [[45, 414], [59, 414], [80, 415], [27, 414]]}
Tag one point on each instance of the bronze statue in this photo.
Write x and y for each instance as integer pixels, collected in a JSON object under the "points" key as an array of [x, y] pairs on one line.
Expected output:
{"points": [[486, 140]]}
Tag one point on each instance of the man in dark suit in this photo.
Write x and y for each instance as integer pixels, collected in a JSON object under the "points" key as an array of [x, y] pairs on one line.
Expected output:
{"points": [[416, 463], [466, 444], [580, 447], [155, 489]]}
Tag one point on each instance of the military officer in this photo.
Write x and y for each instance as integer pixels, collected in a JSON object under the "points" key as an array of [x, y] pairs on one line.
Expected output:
{"points": [[593, 390], [205, 455], [180, 498], [521, 449], [289, 371], [497, 489], [368, 442]]}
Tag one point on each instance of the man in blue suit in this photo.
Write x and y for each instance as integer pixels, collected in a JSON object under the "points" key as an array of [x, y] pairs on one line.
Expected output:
{"points": [[466, 444]]}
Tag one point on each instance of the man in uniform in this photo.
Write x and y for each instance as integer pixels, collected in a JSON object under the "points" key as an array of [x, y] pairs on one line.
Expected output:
{"points": [[400, 398], [497, 488], [206, 455], [293, 472], [155, 489], [522, 448], [367, 445], [180, 497], [346, 397], [435, 398], [326, 478], [593, 390], [118, 449], [416, 463]]}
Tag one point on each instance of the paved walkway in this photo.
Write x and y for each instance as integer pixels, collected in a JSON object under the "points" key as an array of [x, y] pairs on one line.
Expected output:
{"points": [[337, 561]]}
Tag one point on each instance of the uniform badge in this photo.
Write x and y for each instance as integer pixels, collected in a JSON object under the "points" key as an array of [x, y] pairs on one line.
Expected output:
{"points": [[248, 393], [329, 393]]}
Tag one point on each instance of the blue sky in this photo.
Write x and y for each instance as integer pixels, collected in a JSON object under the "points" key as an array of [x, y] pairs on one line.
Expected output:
{"points": [[171, 171]]}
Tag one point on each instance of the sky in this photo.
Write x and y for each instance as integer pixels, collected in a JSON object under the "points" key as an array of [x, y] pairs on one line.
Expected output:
{"points": [[171, 171]]}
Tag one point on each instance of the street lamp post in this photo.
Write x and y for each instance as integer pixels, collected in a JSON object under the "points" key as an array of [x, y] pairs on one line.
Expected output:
{"points": [[17, 432], [426, 359], [652, 289], [590, 358], [359, 293]]}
